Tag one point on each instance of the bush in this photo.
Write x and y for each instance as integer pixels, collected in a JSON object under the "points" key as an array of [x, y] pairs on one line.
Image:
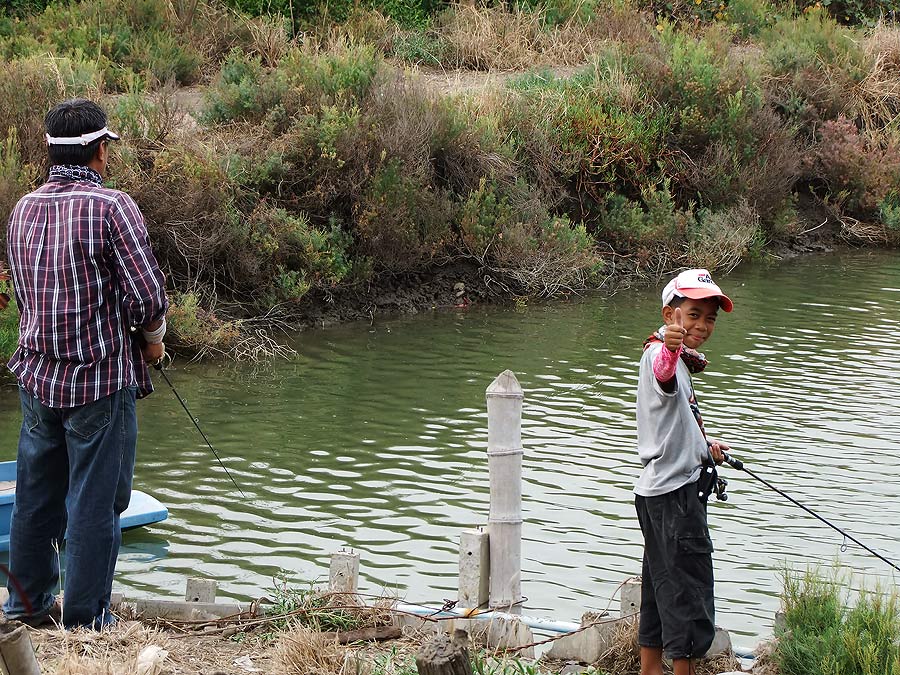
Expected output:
{"points": [[720, 240], [815, 65], [198, 330], [243, 90], [861, 172], [822, 634], [123, 37], [762, 173], [402, 223], [712, 93]]}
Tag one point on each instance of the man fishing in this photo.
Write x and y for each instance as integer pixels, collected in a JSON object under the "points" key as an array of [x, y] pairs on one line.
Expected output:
{"points": [[83, 275]]}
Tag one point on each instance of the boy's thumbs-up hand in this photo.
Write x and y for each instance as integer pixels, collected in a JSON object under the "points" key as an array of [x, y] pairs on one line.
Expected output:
{"points": [[675, 331]]}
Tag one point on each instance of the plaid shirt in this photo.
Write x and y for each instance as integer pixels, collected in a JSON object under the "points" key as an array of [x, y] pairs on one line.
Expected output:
{"points": [[83, 274]]}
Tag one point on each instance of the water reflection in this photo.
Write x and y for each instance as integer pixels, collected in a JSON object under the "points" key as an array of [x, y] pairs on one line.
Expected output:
{"points": [[374, 437]]}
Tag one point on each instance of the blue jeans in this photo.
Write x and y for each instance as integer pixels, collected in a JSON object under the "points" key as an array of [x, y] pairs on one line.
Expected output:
{"points": [[74, 467]]}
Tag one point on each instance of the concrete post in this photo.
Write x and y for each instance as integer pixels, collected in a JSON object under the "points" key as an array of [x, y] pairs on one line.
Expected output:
{"points": [[474, 569], [343, 576], [630, 597], [200, 590], [504, 406]]}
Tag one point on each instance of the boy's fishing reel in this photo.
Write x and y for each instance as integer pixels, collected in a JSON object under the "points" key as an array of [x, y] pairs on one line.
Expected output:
{"points": [[710, 483]]}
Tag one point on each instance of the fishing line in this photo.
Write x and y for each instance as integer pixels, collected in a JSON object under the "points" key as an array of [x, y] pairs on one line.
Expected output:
{"points": [[162, 372], [739, 465]]}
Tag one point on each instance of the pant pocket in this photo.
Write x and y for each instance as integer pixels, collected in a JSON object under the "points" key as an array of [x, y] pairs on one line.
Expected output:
{"points": [[694, 545], [90, 418]]}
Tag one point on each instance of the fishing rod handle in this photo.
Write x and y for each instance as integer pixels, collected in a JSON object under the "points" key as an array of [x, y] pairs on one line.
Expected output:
{"points": [[733, 462]]}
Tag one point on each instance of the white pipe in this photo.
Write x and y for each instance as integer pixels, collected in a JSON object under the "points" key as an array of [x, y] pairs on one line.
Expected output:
{"points": [[537, 623], [486, 615]]}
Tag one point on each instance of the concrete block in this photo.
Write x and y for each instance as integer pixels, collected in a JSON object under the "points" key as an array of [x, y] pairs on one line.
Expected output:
{"points": [[185, 611], [586, 646], [474, 568], [499, 632], [721, 643], [200, 590]]}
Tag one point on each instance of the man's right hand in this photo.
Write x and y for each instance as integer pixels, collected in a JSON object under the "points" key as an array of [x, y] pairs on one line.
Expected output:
{"points": [[153, 354], [675, 331]]}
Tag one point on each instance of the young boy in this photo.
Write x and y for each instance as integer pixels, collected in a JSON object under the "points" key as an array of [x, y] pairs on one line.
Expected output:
{"points": [[677, 605]]}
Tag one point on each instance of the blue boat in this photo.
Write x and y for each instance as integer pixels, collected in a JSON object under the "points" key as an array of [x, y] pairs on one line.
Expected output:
{"points": [[142, 510]]}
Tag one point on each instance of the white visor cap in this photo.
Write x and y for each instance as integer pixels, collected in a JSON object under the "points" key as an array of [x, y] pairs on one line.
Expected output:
{"points": [[84, 139], [696, 284]]}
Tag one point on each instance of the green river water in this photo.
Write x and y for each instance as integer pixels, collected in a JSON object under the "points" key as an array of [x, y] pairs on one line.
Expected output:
{"points": [[374, 437]]}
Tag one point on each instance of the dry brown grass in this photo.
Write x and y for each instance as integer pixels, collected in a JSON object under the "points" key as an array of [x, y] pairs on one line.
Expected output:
{"points": [[495, 38], [302, 651], [876, 101]]}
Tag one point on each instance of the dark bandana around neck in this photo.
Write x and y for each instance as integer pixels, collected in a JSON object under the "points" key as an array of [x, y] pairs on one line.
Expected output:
{"points": [[75, 172], [694, 360]]}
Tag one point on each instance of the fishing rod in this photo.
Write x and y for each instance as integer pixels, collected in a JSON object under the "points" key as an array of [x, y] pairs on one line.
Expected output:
{"points": [[159, 366], [739, 465]]}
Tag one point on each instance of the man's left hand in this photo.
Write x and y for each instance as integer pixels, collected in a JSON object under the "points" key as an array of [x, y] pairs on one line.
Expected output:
{"points": [[153, 354], [718, 450]]}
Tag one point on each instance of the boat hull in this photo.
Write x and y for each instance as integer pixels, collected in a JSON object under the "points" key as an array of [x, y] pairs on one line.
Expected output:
{"points": [[142, 509]]}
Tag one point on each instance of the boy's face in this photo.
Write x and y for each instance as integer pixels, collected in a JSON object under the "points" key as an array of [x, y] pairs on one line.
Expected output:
{"points": [[698, 318]]}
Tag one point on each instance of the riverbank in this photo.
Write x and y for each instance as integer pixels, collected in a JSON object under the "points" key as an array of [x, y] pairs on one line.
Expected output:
{"points": [[322, 175]]}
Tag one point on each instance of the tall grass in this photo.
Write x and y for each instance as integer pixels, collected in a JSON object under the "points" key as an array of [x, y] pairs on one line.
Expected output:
{"points": [[824, 632]]}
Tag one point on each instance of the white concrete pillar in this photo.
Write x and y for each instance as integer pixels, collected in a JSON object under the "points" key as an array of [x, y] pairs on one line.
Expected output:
{"points": [[504, 406], [343, 576], [474, 569]]}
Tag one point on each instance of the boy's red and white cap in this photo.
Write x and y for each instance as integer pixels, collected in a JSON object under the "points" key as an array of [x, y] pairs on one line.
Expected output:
{"points": [[695, 284]]}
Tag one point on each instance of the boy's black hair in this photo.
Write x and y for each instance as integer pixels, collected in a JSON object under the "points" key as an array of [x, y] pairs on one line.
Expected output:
{"points": [[677, 301], [71, 118]]}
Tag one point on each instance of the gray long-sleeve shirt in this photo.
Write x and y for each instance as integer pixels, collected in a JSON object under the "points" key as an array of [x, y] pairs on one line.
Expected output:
{"points": [[670, 443]]}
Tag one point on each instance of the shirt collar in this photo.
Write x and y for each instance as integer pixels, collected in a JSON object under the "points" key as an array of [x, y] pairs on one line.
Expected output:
{"points": [[75, 172]]}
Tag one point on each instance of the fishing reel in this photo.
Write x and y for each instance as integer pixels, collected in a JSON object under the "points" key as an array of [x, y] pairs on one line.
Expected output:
{"points": [[710, 483], [721, 486]]}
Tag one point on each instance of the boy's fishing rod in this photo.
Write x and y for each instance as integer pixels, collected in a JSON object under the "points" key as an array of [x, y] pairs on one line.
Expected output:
{"points": [[739, 465], [162, 372]]}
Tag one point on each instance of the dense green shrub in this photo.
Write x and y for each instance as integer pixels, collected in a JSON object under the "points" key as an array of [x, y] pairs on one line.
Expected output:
{"points": [[243, 90], [815, 65], [823, 633]]}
